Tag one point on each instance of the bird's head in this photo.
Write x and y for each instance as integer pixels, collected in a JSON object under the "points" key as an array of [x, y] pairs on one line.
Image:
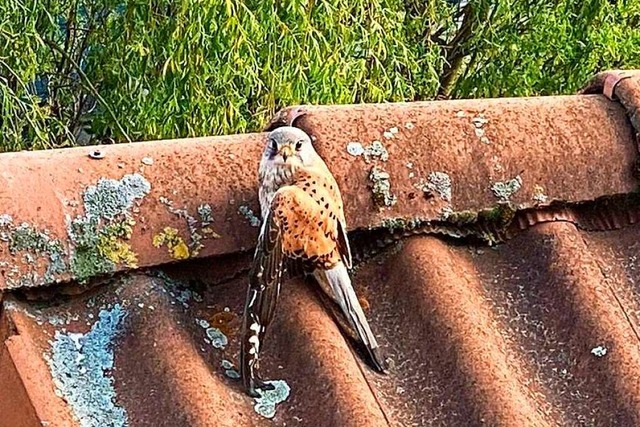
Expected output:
{"points": [[289, 146]]}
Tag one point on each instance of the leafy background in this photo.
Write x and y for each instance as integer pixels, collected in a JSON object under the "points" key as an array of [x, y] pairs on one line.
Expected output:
{"points": [[87, 71]]}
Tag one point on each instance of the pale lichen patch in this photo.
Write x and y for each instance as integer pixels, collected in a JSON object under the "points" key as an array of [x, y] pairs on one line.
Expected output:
{"points": [[599, 351], [43, 257], [504, 190], [229, 370], [355, 148], [478, 123], [214, 336], [538, 194], [381, 187], [375, 151], [265, 405], [206, 214], [439, 183], [110, 198], [247, 212], [79, 364]]}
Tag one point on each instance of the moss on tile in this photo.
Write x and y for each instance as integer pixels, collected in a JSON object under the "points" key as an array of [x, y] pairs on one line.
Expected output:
{"points": [[463, 217], [489, 225], [404, 224], [500, 215]]}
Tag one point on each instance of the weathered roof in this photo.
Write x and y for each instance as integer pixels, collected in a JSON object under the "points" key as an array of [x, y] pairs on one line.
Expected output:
{"points": [[538, 329]]}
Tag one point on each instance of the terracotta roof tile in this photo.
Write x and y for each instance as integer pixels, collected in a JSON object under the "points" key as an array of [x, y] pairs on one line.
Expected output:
{"points": [[541, 329], [530, 152]]}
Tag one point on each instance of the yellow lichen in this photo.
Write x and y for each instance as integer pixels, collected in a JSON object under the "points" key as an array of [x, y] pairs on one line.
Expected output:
{"points": [[178, 249], [112, 244], [207, 231], [118, 251]]}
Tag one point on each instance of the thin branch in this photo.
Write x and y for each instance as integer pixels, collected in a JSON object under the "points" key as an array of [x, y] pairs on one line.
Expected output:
{"points": [[90, 86], [69, 24]]}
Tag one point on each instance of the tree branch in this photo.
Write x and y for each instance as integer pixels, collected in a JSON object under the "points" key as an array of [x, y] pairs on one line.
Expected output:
{"points": [[459, 48], [89, 85]]}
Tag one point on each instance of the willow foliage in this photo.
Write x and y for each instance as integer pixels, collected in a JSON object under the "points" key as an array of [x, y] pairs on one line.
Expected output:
{"points": [[81, 71]]}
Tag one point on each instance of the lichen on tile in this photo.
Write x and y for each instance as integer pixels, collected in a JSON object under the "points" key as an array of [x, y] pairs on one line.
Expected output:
{"points": [[197, 234], [206, 214], [538, 194], [265, 405], [504, 190], [176, 245], [113, 243], [439, 183], [599, 351], [100, 237], [110, 198], [229, 370], [375, 151], [79, 365], [355, 148], [44, 257], [5, 220], [216, 337], [247, 212], [381, 187]]}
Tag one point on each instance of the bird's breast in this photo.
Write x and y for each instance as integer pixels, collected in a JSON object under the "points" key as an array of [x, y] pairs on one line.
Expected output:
{"points": [[273, 178]]}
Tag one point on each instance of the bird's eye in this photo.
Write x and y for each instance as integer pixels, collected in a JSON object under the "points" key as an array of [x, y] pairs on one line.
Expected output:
{"points": [[273, 144], [298, 145]]}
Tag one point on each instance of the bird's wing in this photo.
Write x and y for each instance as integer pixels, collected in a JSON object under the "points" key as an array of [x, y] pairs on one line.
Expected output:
{"points": [[343, 244], [298, 228], [266, 273], [309, 227], [265, 279]]}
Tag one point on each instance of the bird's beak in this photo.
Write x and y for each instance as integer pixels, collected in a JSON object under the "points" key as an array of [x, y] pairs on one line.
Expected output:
{"points": [[285, 151]]}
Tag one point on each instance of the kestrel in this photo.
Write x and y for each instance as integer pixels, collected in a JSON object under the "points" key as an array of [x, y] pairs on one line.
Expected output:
{"points": [[303, 221]]}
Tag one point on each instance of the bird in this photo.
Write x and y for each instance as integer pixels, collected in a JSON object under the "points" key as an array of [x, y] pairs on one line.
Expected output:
{"points": [[302, 221]]}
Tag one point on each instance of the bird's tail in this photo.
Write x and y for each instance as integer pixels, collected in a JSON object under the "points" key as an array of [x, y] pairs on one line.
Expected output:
{"points": [[338, 282]]}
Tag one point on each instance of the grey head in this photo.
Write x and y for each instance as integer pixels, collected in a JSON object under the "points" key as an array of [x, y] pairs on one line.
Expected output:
{"points": [[289, 146]]}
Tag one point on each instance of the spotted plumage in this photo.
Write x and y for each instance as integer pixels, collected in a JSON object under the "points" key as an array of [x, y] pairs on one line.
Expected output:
{"points": [[303, 220]]}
